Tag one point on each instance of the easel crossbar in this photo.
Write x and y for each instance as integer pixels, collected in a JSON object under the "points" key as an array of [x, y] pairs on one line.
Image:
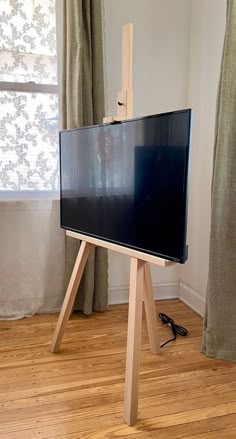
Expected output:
{"points": [[122, 249]]}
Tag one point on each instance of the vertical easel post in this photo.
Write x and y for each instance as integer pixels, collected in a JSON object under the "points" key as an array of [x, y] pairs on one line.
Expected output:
{"points": [[125, 97], [140, 279]]}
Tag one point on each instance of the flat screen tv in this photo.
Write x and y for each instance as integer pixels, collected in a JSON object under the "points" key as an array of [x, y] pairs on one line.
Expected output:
{"points": [[127, 182]]}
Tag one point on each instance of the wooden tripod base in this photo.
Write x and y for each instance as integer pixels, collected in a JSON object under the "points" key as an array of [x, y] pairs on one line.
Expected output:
{"points": [[140, 287]]}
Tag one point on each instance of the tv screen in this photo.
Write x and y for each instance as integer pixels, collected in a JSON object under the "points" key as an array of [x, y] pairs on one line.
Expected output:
{"points": [[127, 182]]}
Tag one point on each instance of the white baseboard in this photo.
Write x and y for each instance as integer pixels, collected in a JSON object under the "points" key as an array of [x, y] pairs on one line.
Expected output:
{"points": [[161, 291], [192, 298], [173, 290]]}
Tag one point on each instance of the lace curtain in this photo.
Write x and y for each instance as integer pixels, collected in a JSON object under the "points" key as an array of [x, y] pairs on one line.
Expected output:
{"points": [[28, 96], [32, 251]]}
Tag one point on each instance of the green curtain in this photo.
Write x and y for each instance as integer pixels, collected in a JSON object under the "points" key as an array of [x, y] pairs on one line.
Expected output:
{"points": [[219, 339], [82, 102]]}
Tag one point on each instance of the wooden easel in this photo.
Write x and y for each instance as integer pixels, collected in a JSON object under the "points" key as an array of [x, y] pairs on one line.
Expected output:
{"points": [[140, 273]]}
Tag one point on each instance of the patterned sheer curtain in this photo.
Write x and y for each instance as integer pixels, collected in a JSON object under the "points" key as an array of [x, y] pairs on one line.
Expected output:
{"points": [[32, 251], [28, 97]]}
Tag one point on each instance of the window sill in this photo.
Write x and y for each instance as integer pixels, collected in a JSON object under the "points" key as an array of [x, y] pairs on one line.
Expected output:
{"points": [[29, 195]]}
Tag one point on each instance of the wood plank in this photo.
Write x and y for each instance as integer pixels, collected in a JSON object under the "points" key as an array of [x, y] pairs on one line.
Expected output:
{"points": [[221, 433], [86, 397], [79, 392], [73, 430]]}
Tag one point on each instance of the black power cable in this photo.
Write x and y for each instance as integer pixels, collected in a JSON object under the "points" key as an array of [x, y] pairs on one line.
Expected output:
{"points": [[176, 329]]}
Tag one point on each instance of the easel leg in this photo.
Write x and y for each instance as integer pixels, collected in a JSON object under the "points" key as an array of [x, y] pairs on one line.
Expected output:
{"points": [[70, 295], [133, 341], [150, 311]]}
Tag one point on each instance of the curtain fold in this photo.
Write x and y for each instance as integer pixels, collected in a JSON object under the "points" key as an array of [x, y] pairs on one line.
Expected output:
{"points": [[32, 258], [82, 103], [220, 317]]}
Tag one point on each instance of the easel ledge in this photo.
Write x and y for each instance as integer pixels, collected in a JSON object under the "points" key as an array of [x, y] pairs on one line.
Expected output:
{"points": [[120, 249]]}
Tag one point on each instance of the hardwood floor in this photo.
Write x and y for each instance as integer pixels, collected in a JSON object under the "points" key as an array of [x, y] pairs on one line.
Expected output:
{"points": [[78, 393]]}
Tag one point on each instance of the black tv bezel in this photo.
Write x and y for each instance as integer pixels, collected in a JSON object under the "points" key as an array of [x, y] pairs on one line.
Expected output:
{"points": [[186, 192]]}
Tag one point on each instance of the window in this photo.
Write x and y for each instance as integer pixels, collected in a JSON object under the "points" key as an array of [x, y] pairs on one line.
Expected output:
{"points": [[28, 98]]}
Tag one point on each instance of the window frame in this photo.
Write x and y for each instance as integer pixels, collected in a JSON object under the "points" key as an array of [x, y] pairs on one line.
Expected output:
{"points": [[29, 87]]}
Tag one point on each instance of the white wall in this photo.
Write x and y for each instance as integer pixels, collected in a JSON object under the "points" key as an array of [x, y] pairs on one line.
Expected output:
{"points": [[161, 40], [205, 50]]}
